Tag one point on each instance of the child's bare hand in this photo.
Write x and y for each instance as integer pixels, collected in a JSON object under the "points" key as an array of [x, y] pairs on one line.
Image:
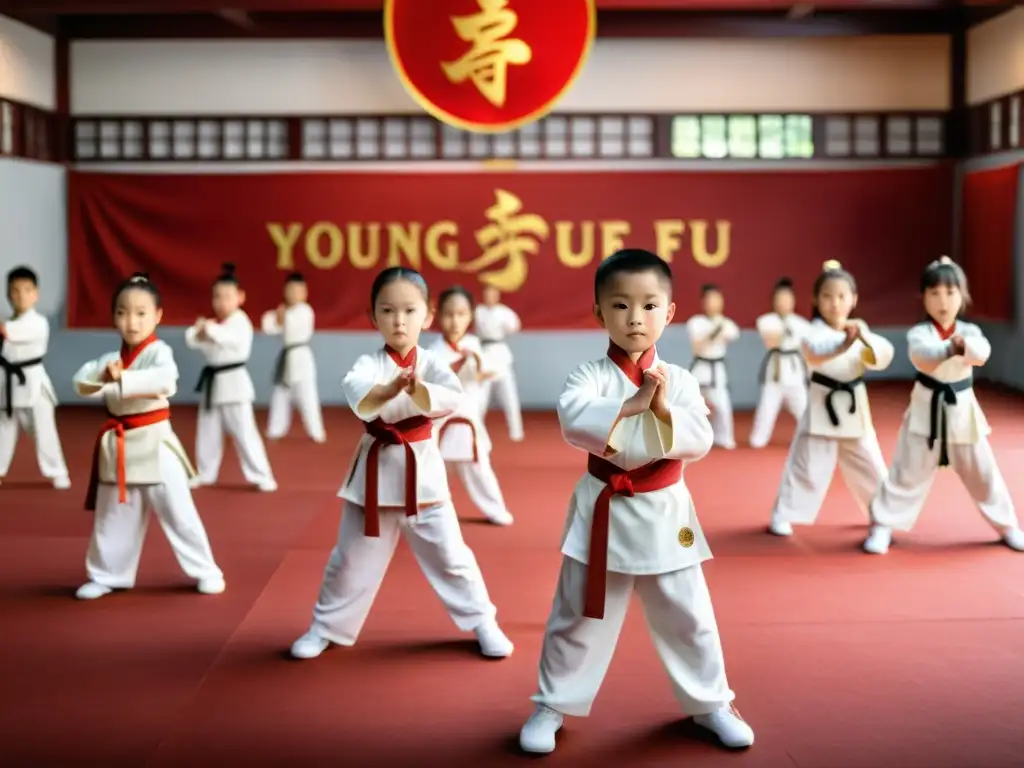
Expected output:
{"points": [[957, 345]]}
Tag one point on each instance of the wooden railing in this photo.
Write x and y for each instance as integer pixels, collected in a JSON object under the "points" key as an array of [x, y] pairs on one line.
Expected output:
{"points": [[996, 125], [29, 132]]}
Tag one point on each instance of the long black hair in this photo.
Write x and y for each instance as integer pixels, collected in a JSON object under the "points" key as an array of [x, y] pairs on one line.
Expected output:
{"points": [[945, 271]]}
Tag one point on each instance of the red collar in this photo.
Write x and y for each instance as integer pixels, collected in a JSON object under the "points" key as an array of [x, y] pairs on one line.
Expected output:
{"points": [[453, 345], [408, 362], [634, 371], [128, 356], [944, 334]]}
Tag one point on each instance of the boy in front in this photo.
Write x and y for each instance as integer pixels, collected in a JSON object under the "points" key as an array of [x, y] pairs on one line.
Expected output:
{"points": [[631, 523]]}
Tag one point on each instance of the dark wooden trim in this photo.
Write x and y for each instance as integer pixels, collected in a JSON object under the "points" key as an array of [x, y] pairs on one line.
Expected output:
{"points": [[611, 24], [980, 126], [35, 134], [959, 126]]}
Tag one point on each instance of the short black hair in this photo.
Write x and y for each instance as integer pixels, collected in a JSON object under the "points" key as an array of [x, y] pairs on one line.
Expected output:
{"points": [[783, 284], [21, 273], [709, 288], [946, 272], [295, 277], [631, 261], [227, 275]]}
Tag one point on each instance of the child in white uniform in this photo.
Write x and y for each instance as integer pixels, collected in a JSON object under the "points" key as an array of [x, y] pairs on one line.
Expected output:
{"points": [[462, 436], [138, 461], [632, 524], [944, 425], [837, 426], [226, 389], [783, 376], [27, 398], [295, 370], [710, 336], [397, 483], [494, 323]]}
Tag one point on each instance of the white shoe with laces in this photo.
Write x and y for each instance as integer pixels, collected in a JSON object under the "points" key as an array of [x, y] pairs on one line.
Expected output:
{"points": [[538, 733], [726, 723]]}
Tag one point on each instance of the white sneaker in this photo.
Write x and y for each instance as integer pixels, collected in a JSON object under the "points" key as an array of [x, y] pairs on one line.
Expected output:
{"points": [[728, 726], [780, 527], [493, 642], [211, 586], [310, 645], [1014, 539], [504, 518], [878, 540], [268, 486], [538, 733], [62, 483], [92, 591]]}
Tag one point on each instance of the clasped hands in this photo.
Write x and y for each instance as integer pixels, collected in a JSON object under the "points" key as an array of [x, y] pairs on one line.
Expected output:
{"points": [[652, 396], [112, 372]]}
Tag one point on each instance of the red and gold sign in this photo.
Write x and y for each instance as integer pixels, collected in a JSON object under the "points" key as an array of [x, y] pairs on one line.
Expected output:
{"points": [[488, 65]]}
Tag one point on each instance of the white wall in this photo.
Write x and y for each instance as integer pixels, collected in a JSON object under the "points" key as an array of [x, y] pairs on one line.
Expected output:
{"points": [[26, 64], [355, 76], [995, 57]]}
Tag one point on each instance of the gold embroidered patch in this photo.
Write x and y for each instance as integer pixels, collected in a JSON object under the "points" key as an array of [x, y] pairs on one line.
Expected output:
{"points": [[686, 537]]}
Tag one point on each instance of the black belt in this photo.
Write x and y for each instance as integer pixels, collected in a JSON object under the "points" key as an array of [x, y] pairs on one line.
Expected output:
{"points": [[282, 358], [14, 371], [943, 394], [486, 342], [776, 353], [205, 383], [834, 386], [714, 362]]}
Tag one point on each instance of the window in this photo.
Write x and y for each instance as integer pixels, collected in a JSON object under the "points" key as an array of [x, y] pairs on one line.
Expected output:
{"points": [[929, 135], [742, 136], [770, 137], [996, 125], [714, 138], [686, 136], [1014, 134], [799, 136], [837, 136], [865, 136], [898, 135]]}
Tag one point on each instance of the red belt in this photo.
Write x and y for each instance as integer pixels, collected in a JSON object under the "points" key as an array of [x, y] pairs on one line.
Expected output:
{"points": [[468, 423], [405, 433], [618, 482], [120, 424]]}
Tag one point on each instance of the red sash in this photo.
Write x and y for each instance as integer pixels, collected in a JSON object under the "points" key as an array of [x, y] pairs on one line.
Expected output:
{"points": [[460, 420], [119, 424], [405, 432], [650, 477]]}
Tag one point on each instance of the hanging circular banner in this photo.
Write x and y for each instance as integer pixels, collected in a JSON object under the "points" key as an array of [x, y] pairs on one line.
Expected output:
{"points": [[488, 65]]}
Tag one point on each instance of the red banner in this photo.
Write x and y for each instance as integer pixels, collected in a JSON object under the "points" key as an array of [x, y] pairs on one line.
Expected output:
{"points": [[538, 237], [988, 228]]}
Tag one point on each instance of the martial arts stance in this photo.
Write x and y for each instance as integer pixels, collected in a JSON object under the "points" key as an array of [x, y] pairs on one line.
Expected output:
{"points": [[837, 426], [494, 323], [397, 483], [710, 335], [138, 461], [226, 390], [295, 370], [783, 376], [632, 524], [462, 436], [944, 425], [27, 397]]}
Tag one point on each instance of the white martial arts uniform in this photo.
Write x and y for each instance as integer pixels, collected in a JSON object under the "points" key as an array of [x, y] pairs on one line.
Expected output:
{"points": [[655, 545], [156, 474], [358, 562], [294, 374], [226, 397], [783, 376], [836, 427], [462, 436], [493, 326], [27, 397], [944, 423], [709, 339]]}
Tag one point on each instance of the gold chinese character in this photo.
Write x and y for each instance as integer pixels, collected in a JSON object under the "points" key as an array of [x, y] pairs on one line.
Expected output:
{"points": [[486, 63], [511, 235]]}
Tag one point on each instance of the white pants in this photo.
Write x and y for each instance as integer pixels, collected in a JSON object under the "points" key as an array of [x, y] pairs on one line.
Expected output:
{"points": [[903, 493], [239, 421], [577, 650], [721, 415], [358, 563], [304, 397], [773, 397], [504, 389], [119, 530], [40, 423], [482, 485], [812, 463]]}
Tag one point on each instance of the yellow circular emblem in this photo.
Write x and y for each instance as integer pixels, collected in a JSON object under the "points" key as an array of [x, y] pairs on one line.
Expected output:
{"points": [[686, 537]]}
